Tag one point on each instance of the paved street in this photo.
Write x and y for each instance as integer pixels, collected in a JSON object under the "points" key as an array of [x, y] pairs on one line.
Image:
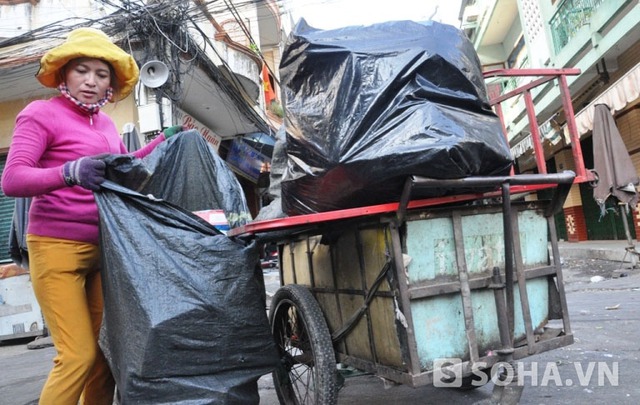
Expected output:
{"points": [[600, 367]]}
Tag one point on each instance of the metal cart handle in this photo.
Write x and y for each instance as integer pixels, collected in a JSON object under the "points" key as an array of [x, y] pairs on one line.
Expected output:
{"points": [[564, 181]]}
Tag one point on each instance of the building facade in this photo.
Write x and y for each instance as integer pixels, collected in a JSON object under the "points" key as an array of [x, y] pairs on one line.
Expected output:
{"points": [[599, 38]]}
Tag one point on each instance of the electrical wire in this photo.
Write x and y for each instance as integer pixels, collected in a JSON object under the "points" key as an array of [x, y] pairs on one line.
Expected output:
{"points": [[238, 18]]}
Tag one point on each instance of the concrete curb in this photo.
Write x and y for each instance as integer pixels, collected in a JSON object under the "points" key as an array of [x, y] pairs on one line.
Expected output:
{"points": [[40, 343], [619, 251]]}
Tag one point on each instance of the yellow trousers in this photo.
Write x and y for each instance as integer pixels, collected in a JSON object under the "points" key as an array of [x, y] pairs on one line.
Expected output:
{"points": [[66, 281]]}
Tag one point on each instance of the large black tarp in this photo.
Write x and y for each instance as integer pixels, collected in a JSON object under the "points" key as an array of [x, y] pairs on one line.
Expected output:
{"points": [[368, 106], [184, 319]]}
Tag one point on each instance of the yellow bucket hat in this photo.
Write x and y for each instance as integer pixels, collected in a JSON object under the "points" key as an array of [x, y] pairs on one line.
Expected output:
{"points": [[89, 43]]}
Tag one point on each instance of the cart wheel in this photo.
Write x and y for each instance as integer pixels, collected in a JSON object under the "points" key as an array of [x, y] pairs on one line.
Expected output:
{"points": [[307, 373]]}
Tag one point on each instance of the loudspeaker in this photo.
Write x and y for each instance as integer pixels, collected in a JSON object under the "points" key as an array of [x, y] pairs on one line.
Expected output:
{"points": [[154, 74]]}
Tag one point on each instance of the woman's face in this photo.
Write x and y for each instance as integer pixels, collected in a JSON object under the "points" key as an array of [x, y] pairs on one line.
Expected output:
{"points": [[88, 79]]}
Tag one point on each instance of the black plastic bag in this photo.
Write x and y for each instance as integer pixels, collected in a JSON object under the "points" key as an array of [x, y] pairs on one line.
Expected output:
{"points": [[184, 318], [368, 106], [278, 165], [186, 171]]}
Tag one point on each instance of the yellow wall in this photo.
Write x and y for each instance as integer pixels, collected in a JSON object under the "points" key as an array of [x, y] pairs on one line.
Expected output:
{"points": [[8, 116], [564, 161], [121, 112]]}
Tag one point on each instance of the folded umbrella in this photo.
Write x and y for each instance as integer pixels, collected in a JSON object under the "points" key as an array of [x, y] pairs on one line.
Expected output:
{"points": [[617, 176]]}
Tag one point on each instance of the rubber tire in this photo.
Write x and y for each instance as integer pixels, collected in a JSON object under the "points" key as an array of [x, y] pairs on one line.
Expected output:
{"points": [[309, 341]]}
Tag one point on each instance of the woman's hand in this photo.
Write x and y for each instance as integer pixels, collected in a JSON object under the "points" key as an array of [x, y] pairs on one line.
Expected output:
{"points": [[87, 172]]}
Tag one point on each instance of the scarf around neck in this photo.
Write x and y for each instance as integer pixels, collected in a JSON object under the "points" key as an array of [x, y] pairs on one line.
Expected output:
{"points": [[92, 108]]}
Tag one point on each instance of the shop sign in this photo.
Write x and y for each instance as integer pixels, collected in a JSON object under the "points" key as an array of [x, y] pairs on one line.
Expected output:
{"points": [[189, 122], [246, 160]]}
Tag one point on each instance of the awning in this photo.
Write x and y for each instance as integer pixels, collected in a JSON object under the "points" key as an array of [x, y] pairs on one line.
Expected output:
{"points": [[622, 92]]}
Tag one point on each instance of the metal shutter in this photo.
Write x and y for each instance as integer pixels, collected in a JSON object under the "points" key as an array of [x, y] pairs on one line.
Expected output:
{"points": [[6, 214]]}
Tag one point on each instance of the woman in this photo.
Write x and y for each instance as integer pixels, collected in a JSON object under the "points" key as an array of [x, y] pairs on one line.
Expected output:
{"points": [[53, 158]]}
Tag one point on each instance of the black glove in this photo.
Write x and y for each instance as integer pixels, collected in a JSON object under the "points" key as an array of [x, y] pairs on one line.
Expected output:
{"points": [[86, 172]]}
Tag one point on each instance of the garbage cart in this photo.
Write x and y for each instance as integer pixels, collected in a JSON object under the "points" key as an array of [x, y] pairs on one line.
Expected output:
{"points": [[423, 291]]}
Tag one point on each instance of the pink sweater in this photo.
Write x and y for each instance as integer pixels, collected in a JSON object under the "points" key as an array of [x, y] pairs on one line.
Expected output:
{"points": [[47, 134]]}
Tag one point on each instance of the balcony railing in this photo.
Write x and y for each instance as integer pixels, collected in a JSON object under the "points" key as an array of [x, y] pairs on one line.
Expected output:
{"points": [[569, 18]]}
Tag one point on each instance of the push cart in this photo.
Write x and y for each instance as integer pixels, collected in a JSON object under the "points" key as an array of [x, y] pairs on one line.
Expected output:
{"points": [[426, 290], [402, 289]]}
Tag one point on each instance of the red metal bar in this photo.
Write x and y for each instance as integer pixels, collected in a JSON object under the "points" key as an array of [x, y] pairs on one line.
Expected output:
{"points": [[582, 175], [573, 130], [531, 72], [323, 217], [521, 89], [535, 134], [500, 114]]}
